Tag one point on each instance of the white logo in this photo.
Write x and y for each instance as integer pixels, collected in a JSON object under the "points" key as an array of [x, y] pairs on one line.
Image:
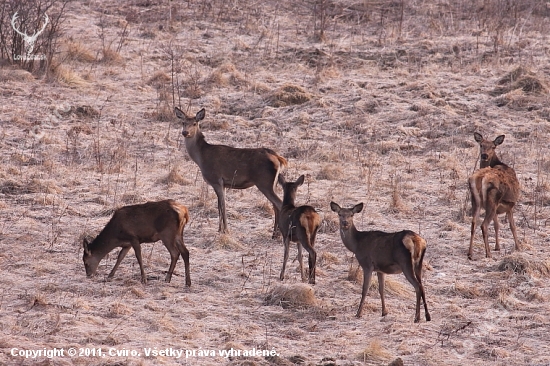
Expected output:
{"points": [[29, 40]]}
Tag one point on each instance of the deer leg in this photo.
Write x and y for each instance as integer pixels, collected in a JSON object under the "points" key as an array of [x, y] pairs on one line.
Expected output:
{"points": [[510, 217], [496, 224], [119, 259], [185, 255], [418, 274], [475, 217], [276, 232], [367, 273], [412, 276], [174, 256], [137, 250], [286, 242], [312, 259], [301, 261], [490, 213], [220, 192], [277, 205], [381, 284]]}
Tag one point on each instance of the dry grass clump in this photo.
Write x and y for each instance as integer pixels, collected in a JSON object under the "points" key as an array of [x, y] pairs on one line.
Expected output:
{"points": [[67, 76], [174, 177], [326, 259], [158, 80], [227, 242], [330, 172], [78, 52], [523, 264], [520, 79], [15, 75], [287, 95], [375, 352], [111, 57], [227, 74], [297, 295], [33, 186], [467, 291]]}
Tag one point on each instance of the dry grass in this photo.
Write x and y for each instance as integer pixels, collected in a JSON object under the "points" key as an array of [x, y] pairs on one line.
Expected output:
{"points": [[381, 112], [299, 295]]}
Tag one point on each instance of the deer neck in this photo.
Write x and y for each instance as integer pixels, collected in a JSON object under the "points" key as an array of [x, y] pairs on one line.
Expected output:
{"points": [[101, 246], [288, 200], [195, 146], [494, 161], [349, 238]]}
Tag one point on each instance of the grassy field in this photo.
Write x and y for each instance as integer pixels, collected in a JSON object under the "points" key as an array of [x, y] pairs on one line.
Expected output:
{"points": [[375, 102]]}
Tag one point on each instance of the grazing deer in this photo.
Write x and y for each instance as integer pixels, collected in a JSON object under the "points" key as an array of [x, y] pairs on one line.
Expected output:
{"points": [[495, 188], [230, 167], [146, 223], [298, 225], [384, 253]]}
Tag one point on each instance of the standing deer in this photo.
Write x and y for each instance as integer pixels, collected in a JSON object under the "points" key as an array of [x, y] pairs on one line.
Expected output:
{"points": [[298, 225], [495, 188], [230, 167], [146, 223], [384, 253]]}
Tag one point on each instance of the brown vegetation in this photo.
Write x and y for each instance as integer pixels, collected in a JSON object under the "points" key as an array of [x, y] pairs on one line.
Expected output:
{"points": [[372, 101]]}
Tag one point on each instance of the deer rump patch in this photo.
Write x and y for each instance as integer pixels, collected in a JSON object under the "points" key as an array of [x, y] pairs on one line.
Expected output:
{"points": [[415, 244]]}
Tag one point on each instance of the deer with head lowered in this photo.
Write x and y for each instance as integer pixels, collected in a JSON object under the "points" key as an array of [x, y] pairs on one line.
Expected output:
{"points": [[495, 188], [146, 223], [299, 225], [230, 167], [384, 253]]}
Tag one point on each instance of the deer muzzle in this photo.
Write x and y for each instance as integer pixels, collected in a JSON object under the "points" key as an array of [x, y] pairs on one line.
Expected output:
{"points": [[185, 133], [484, 157]]}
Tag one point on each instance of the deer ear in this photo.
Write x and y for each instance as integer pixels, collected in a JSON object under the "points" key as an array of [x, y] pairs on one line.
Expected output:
{"points": [[478, 137], [357, 208], [179, 113], [499, 140], [85, 244], [300, 180], [200, 115], [334, 207], [281, 180]]}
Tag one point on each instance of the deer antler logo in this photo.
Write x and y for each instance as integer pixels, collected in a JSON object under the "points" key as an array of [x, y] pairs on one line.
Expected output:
{"points": [[29, 40]]}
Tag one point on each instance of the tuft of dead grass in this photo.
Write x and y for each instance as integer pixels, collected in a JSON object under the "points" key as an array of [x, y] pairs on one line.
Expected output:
{"points": [[298, 295], [15, 75], [524, 264], [112, 57], [226, 241], [289, 94], [330, 172], [78, 52], [174, 177], [159, 79], [67, 76], [375, 352], [226, 75]]}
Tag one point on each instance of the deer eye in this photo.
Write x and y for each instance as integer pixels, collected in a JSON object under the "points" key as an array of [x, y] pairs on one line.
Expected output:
{"points": [[194, 124]]}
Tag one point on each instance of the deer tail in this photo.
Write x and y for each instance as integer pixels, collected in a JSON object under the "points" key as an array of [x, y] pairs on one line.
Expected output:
{"points": [[183, 216], [310, 221], [278, 162], [417, 246]]}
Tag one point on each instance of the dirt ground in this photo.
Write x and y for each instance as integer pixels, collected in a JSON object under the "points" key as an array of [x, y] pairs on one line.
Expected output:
{"points": [[375, 102]]}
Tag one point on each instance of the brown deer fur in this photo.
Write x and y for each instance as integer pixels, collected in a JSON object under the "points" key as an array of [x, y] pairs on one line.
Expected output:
{"points": [[384, 253], [495, 188], [146, 223], [299, 225], [229, 167]]}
